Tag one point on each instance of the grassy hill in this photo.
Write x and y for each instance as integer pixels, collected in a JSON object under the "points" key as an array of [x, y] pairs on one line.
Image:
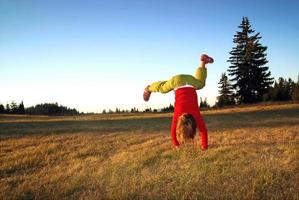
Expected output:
{"points": [[253, 154]]}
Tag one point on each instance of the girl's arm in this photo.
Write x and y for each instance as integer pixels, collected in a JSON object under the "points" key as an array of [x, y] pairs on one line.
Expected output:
{"points": [[203, 132], [173, 131]]}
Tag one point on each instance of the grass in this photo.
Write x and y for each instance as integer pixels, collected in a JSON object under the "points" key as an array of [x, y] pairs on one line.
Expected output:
{"points": [[253, 154]]}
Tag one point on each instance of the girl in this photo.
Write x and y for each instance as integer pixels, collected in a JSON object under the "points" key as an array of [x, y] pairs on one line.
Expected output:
{"points": [[186, 110]]}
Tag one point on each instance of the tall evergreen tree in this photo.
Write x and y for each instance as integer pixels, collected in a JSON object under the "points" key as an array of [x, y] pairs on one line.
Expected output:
{"points": [[225, 91], [251, 78], [295, 91], [14, 107], [203, 103], [21, 108], [2, 109], [7, 109]]}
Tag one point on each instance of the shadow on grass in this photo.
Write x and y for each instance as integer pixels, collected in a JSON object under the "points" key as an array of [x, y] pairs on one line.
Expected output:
{"points": [[265, 118], [100, 126], [219, 122]]}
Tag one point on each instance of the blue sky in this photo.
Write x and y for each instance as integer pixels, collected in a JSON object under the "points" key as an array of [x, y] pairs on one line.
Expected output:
{"points": [[93, 55]]}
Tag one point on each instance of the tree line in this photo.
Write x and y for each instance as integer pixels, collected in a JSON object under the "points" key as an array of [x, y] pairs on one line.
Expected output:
{"points": [[283, 90], [249, 79], [169, 108], [55, 109], [13, 108], [39, 109]]}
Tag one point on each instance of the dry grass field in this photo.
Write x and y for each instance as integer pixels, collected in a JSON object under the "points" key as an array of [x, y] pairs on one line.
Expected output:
{"points": [[253, 154]]}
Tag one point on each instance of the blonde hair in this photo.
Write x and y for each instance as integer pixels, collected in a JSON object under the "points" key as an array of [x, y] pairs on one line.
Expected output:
{"points": [[186, 128]]}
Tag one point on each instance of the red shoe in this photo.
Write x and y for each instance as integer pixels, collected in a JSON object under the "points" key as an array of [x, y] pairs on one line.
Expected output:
{"points": [[146, 94], [206, 59]]}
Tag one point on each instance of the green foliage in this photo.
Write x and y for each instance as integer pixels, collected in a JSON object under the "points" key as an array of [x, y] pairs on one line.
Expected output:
{"points": [[7, 109], [148, 110], [2, 109], [203, 103], [40, 109], [170, 108], [283, 90], [166, 109], [117, 110], [134, 110], [225, 90], [21, 108], [50, 109], [13, 108], [295, 91], [251, 78]]}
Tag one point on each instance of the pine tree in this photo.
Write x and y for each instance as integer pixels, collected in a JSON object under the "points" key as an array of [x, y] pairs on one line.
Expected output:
{"points": [[251, 78], [225, 91], [14, 107], [21, 108], [203, 104], [2, 109], [7, 109], [295, 91]]}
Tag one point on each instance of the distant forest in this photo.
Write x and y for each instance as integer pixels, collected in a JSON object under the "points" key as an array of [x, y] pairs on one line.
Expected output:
{"points": [[39, 109], [55, 109]]}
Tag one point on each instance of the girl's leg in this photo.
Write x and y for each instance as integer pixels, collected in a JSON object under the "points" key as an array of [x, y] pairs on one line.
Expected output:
{"points": [[183, 79], [160, 86], [201, 71], [179, 80], [197, 82], [200, 76]]}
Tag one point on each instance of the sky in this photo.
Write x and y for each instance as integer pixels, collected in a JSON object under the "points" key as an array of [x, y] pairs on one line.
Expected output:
{"points": [[101, 54]]}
